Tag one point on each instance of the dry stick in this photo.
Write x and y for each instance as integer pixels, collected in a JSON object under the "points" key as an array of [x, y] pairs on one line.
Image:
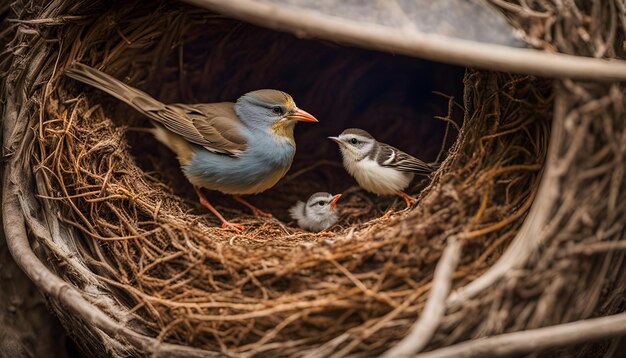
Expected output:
{"points": [[425, 327], [535, 340], [443, 143], [520, 10], [305, 23], [449, 121], [595, 248]]}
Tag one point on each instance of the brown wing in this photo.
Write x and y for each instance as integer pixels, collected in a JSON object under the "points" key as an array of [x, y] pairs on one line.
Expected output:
{"points": [[214, 126], [389, 156]]}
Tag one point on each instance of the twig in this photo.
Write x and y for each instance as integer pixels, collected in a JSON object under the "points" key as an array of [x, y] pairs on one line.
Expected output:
{"points": [[536, 340], [425, 327]]}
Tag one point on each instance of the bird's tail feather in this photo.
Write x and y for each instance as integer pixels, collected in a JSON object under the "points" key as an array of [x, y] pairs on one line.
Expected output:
{"points": [[139, 100]]}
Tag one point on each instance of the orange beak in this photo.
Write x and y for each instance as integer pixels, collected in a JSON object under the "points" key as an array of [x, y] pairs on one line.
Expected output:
{"points": [[335, 199], [302, 116]]}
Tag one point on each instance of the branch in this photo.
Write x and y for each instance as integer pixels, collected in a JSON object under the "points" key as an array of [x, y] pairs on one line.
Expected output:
{"points": [[311, 23], [425, 327], [532, 341]]}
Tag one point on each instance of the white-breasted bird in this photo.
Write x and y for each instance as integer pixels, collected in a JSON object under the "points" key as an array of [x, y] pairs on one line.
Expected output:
{"points": [[318, 213], [235, 148], [378, 167]]}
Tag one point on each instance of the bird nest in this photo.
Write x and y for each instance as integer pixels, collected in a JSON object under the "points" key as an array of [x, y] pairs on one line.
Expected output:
{"points": [[134, 265]]}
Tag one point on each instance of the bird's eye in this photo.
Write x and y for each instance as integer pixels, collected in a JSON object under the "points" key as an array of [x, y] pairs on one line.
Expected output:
{"points": [[353, 141], [277, 110], [320, 203]]}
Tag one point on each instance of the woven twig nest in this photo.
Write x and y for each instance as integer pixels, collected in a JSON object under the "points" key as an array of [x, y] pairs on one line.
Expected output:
{"points": [[528, 204]]}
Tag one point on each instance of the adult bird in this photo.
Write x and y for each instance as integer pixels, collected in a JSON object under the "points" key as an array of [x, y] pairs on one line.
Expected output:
{"points": [[235, 148], [378, 167], [318, 213]]}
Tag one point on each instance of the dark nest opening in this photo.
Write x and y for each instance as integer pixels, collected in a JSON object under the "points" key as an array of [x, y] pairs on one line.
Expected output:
{"points": [[133, 240]]}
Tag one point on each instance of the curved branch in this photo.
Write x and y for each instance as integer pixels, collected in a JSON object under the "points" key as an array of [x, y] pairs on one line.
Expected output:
{"points": [[310, 23], [425, 327], [536, 340]]}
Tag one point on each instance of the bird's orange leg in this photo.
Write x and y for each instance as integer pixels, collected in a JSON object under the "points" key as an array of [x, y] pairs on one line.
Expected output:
{"points": [[255, 211], [407, 198], [225, 224]]}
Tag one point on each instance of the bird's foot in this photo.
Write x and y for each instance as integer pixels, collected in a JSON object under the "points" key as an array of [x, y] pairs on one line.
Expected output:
{"points": [[259, 212], [225, 223], [255, 211], [408, 199], [235, 227]]}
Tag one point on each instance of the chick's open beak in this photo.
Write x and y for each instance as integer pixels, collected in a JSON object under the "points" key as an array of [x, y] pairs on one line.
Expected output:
{"points": [[335, 199], [302, 116]]}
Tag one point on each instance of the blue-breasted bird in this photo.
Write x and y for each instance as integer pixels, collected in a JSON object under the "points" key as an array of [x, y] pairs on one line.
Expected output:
{"points": [[235, 148]]}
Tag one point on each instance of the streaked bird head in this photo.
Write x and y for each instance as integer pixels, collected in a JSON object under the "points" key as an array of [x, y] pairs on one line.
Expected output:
{"points": [[355, 144], [272, 110], [321, 206]]}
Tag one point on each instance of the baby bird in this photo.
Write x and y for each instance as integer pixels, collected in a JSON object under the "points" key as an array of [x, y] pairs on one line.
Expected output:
{"points": [[378, 167], [235, 148], [318, 213]]}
